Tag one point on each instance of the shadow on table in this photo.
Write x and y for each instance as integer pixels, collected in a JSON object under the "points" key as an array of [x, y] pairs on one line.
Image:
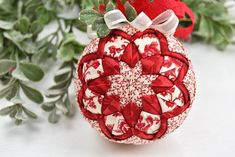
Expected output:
{"points": [[164, 147]]}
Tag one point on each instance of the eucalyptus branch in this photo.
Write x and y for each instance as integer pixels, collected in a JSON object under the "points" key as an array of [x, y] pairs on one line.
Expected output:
{"points": [[58, 100], [21, 52], [213, 24]]}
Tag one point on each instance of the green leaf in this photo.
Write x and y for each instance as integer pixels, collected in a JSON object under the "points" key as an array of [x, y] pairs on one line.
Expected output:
{"points": [[96, 3], [69, 38], [13, 92], [30, 47], [19, 115], [60, 86], [29, 113], [110, 6], [68, 48], [22, 25], [18, 121], [6, 25], [53, 117], [5, 91], [6, 66], [40, 57], [7, 110], [89, 16], [82, 26], [48, 107], [205, 28], [62, 77], [31, 71], [1, 42], [18, 74], [43, 15], [123, 1], [17, 38], [227, 32], [98, 23], [32, 94], [103, 31], [36, 27], [13, 113], [66, 53], [131, 13], [101, 1], [67, 104], [62, 74]]}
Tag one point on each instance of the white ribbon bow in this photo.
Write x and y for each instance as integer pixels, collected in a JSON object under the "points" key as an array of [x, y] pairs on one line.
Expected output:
{"points": [[166, 22]]}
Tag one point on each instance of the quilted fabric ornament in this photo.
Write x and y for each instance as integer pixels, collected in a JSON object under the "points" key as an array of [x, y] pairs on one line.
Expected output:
{"points": [[135, 86]]}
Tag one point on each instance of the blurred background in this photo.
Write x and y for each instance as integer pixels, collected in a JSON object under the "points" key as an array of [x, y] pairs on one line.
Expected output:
{"points": [[40, 41]]}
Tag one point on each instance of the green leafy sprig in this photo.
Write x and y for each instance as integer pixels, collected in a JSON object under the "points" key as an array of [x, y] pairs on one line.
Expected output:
{"points": [[95, 18], [213, 24], [22, 54]]}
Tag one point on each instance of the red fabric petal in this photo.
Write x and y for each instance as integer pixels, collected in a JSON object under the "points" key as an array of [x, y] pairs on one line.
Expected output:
{"points": [[111, 104], [131, 55], [131, 113], [99, 85], [152, 65], [111, 66], [151, 105], [161, 84]]}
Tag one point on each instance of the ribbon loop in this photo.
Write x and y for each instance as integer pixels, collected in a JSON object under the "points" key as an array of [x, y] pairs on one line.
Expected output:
{"points": [[141, 22], [114, 19], [166, 23]]}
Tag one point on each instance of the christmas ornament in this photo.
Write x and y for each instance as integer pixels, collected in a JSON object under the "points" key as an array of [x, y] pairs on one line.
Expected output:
{"points": [[135, 84], [155, 7]]}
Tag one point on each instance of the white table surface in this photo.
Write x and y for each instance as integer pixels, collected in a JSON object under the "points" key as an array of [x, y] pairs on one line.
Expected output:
{"points": [[209, 131]]}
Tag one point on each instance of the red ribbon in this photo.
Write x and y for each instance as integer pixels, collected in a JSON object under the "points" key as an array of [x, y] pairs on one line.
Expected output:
{"points": [[155, 8]]}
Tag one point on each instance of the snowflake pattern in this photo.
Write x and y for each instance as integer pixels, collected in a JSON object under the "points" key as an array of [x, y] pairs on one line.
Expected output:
{"points": [[131, 85]]}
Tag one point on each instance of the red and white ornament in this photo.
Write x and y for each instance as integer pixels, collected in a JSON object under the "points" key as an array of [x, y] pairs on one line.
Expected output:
{"points": [[135, 86]]}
